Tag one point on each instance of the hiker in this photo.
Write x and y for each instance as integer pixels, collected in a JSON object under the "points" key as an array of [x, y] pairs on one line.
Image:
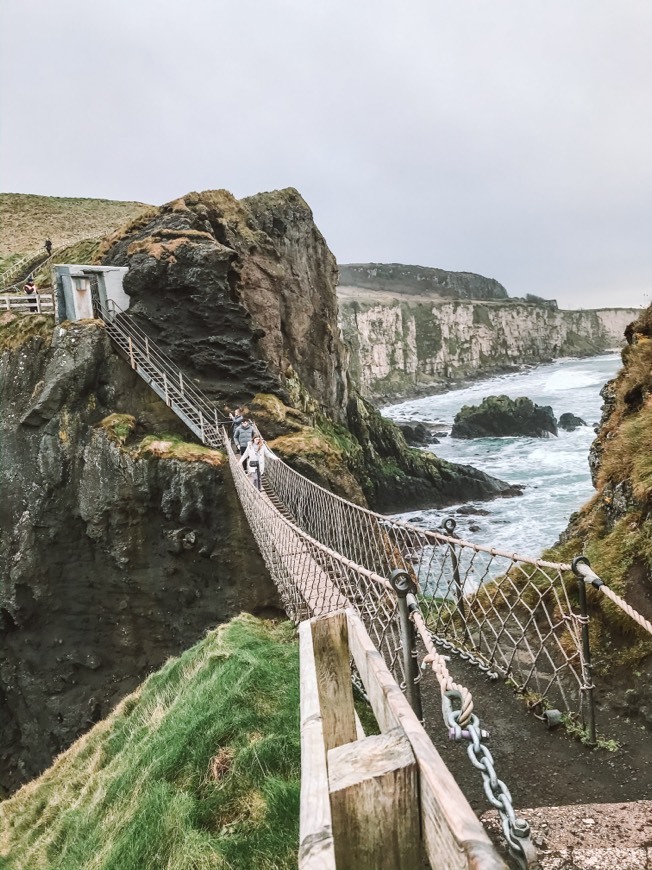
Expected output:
{"points": [[236, 418], [243, 435], [255, 455], [48, 247], [30, 290]]}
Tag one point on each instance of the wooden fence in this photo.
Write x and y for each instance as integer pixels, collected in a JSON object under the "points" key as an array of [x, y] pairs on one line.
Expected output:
{"points": [[37, 303], [378, 802]]}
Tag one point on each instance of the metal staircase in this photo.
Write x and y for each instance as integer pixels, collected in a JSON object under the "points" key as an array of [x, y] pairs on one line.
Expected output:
{"points": [[192, 406]]}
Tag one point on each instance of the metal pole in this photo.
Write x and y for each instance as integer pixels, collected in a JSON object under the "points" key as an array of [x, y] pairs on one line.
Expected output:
{"points": [[587, 669], [404, 588], [449, 526], [201, 425], [131, 353]]}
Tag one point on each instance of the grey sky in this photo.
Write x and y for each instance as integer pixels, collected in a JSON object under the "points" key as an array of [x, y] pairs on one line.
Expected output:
{"points": [[507, 137]]}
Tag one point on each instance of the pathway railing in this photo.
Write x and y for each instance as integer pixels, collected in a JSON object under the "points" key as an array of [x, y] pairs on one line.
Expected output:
{"points": [[33, 302]]}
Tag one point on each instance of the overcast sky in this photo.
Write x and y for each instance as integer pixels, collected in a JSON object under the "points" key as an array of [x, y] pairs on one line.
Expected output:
{"points": [[512, 138]]}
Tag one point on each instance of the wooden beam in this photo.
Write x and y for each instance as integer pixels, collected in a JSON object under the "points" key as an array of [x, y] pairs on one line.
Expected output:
{"points": [[454, 838], [332, 660], [375, 803], [316, 848]]}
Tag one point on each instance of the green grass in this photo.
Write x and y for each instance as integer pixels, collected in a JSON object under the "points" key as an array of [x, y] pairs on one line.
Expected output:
{"points": [[197, 770], [27, 220], [18, 327]]}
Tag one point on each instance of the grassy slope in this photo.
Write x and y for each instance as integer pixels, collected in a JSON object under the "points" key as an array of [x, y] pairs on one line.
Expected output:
{"points": [[198, 769], [27, 220], [615, 531]]}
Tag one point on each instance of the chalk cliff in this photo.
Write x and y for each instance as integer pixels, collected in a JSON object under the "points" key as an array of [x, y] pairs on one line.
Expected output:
{"points": [[405, 345]]}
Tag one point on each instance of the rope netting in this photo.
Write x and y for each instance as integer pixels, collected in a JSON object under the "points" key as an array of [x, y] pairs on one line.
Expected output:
{"points": [[514, 614]]}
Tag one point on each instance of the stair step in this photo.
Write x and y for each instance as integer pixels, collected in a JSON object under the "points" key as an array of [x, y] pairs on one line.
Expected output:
{"points": [[588, 836]]}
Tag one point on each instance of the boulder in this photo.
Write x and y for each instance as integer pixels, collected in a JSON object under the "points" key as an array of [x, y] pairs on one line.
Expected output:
{"points": [[500, 417], [418, 434], [570, 422]]}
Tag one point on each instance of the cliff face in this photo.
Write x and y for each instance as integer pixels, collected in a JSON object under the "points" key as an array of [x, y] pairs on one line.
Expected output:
{"points": [[615, 528], [404, 346], [111, 559], [240, 293]]}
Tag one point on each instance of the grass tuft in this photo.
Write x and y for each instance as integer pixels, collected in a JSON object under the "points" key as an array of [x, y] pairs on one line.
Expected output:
{"points": [[140, 790]]}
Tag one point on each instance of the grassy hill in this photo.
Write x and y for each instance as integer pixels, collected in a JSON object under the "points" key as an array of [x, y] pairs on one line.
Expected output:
{"points": [[197, 770], [27, 220]]}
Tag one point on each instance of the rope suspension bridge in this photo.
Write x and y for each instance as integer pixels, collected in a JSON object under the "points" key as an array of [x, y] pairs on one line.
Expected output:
{"points": [[419, 594]]}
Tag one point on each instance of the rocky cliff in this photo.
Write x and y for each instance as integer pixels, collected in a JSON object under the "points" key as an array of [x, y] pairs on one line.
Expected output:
{"points": [[615, 528], [405, 345], [241, 294], [112, 557]]}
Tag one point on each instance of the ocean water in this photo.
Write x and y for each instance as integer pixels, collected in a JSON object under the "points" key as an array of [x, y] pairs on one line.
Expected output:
{"points": [[554, 471]]}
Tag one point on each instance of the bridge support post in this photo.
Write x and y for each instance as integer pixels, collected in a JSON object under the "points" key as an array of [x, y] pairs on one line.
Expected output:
{"points": [[587, 667], [404, 588]]}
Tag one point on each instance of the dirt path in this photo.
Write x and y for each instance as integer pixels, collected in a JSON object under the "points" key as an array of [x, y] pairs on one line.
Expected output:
{"points": [[540, 767]]}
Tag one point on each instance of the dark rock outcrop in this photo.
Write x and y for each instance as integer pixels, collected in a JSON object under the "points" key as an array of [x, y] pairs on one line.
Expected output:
{"points": [[500, 416], [111, 560], [418, 434], [569, 422], [240, 293]]}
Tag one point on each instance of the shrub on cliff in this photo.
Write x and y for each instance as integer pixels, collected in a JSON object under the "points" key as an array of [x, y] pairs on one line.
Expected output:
{"points": [[197, 768]]}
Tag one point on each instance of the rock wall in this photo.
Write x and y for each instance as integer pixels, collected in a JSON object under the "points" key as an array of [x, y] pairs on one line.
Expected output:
{"points": [[110, 560], [240, 293], [403, 347]]}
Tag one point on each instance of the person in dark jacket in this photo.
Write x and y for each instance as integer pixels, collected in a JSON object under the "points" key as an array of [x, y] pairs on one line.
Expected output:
{"points": [[48, 247], [243, 435]]}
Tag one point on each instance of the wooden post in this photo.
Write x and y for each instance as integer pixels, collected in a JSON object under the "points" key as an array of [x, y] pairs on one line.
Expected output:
{"points": [[316, 849], [454, 838], [38, 303], [181, 382], [165, 387], [131, 354], [331, 645], [201, 425], [147, 347], [374, 797]]}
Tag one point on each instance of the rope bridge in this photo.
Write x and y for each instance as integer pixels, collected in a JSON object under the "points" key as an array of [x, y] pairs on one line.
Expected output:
{"points": [[511, 615]]}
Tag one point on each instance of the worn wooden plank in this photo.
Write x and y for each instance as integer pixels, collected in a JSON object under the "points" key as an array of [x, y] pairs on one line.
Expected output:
{"points": [[316, 847], [453, 837], [314, 585], [332, 661], [375, 804]]}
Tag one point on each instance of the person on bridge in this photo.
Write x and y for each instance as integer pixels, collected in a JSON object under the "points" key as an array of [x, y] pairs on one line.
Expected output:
{"points": [[48, 247], [243, 435], [255, 455], [236, 418]]}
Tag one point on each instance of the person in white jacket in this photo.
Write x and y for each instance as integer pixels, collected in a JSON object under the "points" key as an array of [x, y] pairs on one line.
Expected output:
{"points": [[254, 456]]}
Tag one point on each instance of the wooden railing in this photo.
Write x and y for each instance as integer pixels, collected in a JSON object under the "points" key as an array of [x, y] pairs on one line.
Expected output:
{"points": [[379, 802], [34, 302]]}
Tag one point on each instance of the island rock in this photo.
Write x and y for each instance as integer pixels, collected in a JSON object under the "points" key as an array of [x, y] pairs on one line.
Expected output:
{"points": [[500, 417]]}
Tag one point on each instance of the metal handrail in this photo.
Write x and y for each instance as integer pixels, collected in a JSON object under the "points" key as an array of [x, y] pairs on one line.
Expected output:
{"points": [[157, 357], [178, 392]]}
